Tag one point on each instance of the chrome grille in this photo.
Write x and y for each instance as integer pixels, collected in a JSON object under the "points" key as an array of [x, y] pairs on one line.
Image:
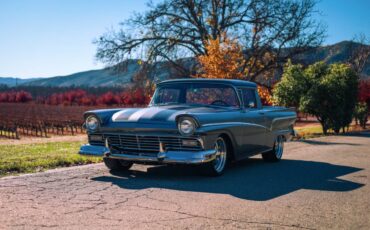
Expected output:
{"points": [[147, 144], [133, 143]]}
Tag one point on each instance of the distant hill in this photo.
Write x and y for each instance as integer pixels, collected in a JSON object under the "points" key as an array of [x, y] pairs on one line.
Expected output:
{"points": [[92, 78], [339, 52], [13, 81]]}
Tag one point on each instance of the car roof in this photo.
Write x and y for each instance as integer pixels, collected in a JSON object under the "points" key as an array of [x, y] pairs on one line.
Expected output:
{"points": [[209, 81]]}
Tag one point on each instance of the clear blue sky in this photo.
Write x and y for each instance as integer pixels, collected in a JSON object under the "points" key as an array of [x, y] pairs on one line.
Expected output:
{"points": [[44, 38]]}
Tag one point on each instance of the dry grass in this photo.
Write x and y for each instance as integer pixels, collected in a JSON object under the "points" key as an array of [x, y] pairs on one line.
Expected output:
{"points": [[315, 130]]}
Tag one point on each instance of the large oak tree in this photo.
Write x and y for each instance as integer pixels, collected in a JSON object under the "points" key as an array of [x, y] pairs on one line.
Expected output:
{"points": [[270, 32]]}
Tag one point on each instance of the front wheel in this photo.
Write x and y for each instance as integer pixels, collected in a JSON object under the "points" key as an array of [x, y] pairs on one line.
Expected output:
{"points": [[277, 152], [218, 165], [117, 165]]}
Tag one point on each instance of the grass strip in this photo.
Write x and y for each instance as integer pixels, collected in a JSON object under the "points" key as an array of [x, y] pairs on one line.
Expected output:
{"points": [[28, 158]]}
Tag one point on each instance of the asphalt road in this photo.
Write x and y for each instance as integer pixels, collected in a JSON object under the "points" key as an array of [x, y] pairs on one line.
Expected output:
{"points": [[321, 183]]}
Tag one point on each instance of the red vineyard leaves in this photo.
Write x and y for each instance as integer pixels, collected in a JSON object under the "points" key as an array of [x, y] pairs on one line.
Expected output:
{"points": [[15, 97], [109, 99], [364, 91], [81, 98]]}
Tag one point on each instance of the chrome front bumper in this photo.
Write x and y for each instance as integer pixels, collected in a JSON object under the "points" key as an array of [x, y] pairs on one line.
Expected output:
{"points": [[177, 157]]}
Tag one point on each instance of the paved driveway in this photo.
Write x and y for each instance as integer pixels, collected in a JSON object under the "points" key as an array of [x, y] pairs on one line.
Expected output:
{"points": [[321, 183]]}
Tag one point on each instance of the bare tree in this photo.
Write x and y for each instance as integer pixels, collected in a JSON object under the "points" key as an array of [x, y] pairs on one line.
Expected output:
{"points": [[270, 31], [360, 55]]}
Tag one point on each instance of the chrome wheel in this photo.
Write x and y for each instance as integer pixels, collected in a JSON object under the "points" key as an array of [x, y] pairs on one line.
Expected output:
{"points": [[277, 151], [221, 155], [279, 147]]}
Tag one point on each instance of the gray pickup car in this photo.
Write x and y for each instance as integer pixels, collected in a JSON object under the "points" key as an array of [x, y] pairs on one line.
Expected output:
{"points": [[208, 122]]}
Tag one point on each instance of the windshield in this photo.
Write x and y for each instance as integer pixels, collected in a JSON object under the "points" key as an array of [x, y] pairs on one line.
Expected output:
{"points": [[196, 94]]}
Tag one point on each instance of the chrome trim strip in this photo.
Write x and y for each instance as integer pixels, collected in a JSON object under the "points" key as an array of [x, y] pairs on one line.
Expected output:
{"points": [[283, 118], [93, 150], [251, 124], [171, 157], [133, 134], [283, 131], [235, 123], [181, 157]]}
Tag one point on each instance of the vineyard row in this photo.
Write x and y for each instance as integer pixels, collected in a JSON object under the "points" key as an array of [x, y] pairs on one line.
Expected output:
{"points": [[17, 120]]}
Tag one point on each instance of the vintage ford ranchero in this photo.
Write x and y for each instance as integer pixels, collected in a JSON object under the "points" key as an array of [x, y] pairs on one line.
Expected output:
{"points": [[191, 121]]}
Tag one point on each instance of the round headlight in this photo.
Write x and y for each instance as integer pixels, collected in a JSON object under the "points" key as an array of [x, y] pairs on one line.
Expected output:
{"points": [[92, 123], [186, 126]]}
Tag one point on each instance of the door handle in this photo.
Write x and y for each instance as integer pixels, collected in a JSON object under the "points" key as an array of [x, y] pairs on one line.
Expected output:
{"points": [[261, 113]]}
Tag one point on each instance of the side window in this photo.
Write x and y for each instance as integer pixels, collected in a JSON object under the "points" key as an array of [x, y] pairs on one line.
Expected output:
{"points": [[249, 98], [168, 95]]}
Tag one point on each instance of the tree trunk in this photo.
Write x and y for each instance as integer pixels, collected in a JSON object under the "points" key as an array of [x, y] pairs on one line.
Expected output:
{"points": [[336, 130]]}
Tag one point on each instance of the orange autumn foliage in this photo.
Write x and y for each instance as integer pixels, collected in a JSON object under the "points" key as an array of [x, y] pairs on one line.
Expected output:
{"points": [[224, 59], [265, 95]]}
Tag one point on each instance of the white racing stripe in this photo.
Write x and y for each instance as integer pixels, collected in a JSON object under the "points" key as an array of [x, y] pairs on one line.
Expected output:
{"points": [[117, 115], [135, 116], [145, 113]]}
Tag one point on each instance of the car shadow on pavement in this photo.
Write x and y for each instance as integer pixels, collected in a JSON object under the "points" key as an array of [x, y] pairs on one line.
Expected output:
{"points": [[251, 179], [320, 142], [365, 133]]}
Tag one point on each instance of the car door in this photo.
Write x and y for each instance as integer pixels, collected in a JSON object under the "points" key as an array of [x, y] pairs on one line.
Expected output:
{"points": [[254, 118]]}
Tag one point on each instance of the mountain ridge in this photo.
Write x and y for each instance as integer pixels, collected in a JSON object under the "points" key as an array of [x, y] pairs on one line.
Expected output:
{"points": [[339, 52]]}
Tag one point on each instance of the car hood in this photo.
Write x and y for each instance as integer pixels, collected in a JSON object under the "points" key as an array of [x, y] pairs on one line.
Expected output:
{"points": [[161, 113]]}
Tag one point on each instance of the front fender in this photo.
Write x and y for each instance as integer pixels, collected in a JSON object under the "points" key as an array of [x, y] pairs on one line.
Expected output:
{"points": [[104, 115], [212, 131]]}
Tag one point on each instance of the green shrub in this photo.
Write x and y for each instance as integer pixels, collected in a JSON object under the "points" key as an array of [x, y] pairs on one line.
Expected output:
{"points": [[361, 113], [325, 91], [292, 86]]}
